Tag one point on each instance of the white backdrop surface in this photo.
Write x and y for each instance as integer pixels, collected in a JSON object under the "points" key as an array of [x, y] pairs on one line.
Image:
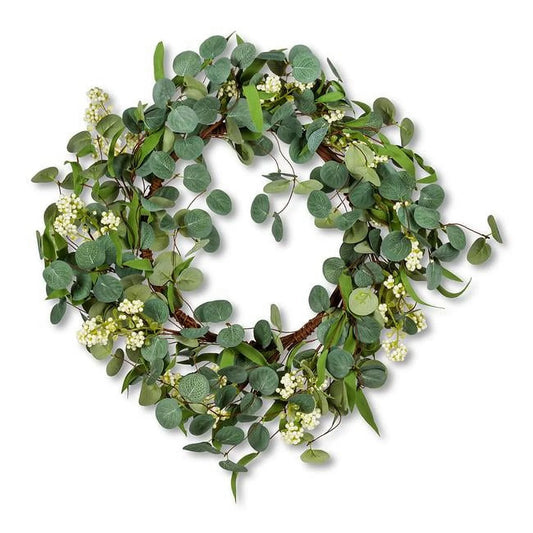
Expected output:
{"points": [[455, 452]]}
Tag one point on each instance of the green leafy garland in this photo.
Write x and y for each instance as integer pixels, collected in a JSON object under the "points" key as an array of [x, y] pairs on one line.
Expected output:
{"points": [[122, 258]]}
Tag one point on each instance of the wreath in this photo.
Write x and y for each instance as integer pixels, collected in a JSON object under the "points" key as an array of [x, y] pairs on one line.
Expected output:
{"points": [[119, 246]]}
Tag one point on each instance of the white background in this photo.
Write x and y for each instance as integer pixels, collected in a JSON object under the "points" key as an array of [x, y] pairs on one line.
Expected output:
{"points": [[455, 451]]}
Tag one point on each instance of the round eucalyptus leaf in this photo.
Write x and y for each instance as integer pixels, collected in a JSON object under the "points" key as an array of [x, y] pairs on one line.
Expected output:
{"points": [[157, 310], [339, 362], [230, 336], [457, 237], [264, 379], [433, 275], [305, 67], [315, 457], [200, 424], [230, 435], [90, 255], [107, 288], [58, 275], [196, 177], [189, 148], [193, 387], [332, 269], [207, 109], [260, 208], [431, 196], [334, 174], [219, 202], [213, 46], [304, 401], [168, 413], [162, 165], [479, 252], [368, 330], [218, 71], [156, 349], [426, 217], [263, 333], [182, 119], [243, 55], [198, 223], [190, 279], [235, 374], [318, 299], [187, 63], [258, 437], [363, 301], [318, 204], [373, 374], [396, 246], [214, 311]]}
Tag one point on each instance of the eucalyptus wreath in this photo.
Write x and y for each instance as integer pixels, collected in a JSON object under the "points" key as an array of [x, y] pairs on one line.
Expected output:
{"points": [[119, 246]]}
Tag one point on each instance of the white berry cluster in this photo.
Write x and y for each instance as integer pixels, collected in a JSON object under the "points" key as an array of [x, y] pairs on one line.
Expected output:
{"points": [[398, 205], [228, 89], [109, 221], [334, 116], [97, 107], [131, 307], [394, 348], [412, 261], [299, 85], [272, 85], [419, 319], [294, 429], [171, 379], [218, 414], [377, 160], [69, 208], [135, 339], [96, 330], [291, 381]]}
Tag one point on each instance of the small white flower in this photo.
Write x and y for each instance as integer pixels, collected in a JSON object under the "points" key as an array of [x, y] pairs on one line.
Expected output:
{"points": [[334, 116], [389, 282], [109, 221], [130, 307], [399, 290]]}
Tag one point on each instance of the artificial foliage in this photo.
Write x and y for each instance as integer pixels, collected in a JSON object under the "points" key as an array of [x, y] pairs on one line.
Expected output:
{"points": [[119, 246]]}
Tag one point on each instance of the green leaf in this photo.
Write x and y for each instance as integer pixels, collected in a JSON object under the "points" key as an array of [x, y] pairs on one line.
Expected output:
{"points": [[319, 204], [254, 105], [494, 229], [409, 289], [243, 55], [198, 223], [168, 413], [182, 119], [319, 299], [364, 409], [193, 387], [219, 202], [207, 109], [277, 228], [305, 67], [264, 379], [189, 148], [315, 457], [230, 336], [157, 310], [373, 374], [258, 437], [218, 71], [189, 279], [334, 174], [80, 142], [202, 447], [363, 301], [200, 424], [196, 177], [150, 394], [58, 275], [109, 126], [368, 274], [307, 186], [107, 288], [456, 236], [58, 311], [159, 61], [332, 269], [231, 466], [230, 435], [214, 311], [339, 362], [407, 130], [90, 255], [304, 401], [46, 175], [427, 217], [277, 186], [156, 349], [115, 363], [479, 252], [251, 354], [433, 274], [263, 333], [187, 63], [384, 108], [234, 374], [213, 46], [396, 246], [449, 294], [275, 316], [162, 165], [431, 196], [368, 330]]}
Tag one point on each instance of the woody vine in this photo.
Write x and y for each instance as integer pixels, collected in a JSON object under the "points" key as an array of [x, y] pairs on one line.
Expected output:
{"points": [[119, 246]]}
